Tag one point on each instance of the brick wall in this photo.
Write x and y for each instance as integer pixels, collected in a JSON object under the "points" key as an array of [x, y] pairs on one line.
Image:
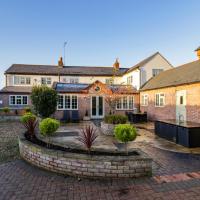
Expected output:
{"points": [[85, 165], [169, 110]]}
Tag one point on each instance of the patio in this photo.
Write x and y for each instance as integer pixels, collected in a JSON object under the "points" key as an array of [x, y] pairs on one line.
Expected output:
{"points": [[175, 176]]}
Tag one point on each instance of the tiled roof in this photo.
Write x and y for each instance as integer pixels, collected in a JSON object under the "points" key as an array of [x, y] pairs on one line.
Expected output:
{"points": [[16, 89], [66, 70], [145, 61], [185, 74]]}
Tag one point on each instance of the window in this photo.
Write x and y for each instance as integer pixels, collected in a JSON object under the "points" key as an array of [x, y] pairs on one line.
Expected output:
{"points": [[67, 102], [156, 71], [160, 100], [20, 80], [18, 100], [125, 103], [109, 81], [145, 99], [74, 80], [129, 80], [46, 80]]}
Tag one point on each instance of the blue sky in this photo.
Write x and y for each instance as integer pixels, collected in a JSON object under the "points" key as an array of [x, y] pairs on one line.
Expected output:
{"points": [[97, 31]]}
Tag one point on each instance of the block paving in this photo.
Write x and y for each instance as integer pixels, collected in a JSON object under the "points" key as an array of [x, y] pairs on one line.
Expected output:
{"points": [[176, 176]]}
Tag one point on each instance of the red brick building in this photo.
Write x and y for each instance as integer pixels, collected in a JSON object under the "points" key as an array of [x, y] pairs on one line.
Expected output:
{"points": [[173, 94]]}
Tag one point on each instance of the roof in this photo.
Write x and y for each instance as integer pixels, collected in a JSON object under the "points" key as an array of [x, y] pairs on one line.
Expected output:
{"points": [[16, 89], [82, 88], [66, 70], [145, 61], [186, 74]]}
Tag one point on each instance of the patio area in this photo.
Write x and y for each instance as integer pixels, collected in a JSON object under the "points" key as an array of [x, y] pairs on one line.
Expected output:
{"points": [[175, 175], [67, 135]]}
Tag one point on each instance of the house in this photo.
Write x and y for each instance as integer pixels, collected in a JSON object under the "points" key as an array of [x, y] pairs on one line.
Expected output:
{"points": [[174, 93], [81, 88]]}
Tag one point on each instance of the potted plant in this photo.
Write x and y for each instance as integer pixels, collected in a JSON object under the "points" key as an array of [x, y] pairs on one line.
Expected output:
{"points": [[125, 133], [110, 121], [48, 128], [86, 117]]}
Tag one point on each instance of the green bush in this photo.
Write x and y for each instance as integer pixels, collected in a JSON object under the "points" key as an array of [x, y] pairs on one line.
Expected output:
{"points": [[125, 133], [29, 120], [6, 110], [115, 119], [27, 109], [44, 100], [48, 126]]}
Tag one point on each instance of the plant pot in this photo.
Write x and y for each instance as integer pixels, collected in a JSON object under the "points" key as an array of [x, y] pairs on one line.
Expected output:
{"points": [[86, 118]]}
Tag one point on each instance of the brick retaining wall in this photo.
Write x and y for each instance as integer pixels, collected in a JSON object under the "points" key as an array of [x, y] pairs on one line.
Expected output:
{"points": [[84, 165]]}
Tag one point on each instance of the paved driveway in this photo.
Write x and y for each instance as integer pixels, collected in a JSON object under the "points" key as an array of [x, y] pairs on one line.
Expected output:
{"points": [[175, 176]]}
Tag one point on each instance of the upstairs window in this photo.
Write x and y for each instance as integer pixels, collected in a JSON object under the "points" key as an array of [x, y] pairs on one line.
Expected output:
{"points": [[18, 100], [74, 80], [129, 80], [156, 71], [144, 100], [21, 80], [109, 81], [159, 99], [46, 80]]}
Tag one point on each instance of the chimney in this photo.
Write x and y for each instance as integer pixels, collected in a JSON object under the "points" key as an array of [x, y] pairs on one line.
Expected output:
{"points": [[198, 52], [60, 62], [116, 64]]}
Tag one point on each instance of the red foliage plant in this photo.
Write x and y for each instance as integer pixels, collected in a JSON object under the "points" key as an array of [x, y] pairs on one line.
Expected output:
{"points": [[88, 136]]}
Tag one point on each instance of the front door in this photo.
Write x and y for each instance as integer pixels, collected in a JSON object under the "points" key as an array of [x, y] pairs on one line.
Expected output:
{"points": [[181, 105], [97, 107]]}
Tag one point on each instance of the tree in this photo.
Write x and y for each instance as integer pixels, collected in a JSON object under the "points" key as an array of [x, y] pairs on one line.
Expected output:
{"points": [[44, 100]]}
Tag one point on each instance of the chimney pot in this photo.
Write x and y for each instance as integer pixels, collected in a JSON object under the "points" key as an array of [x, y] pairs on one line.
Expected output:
{"points": [[116, 64], [60, 62]]}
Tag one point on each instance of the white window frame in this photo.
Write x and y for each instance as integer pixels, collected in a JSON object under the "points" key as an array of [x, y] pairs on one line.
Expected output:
{"points": [[21, 97], [109, 81], [145, 100], [121, 99], [48, 80], [129, 80], [20, 78], [74, 80], [159, 97], [64, 101]]}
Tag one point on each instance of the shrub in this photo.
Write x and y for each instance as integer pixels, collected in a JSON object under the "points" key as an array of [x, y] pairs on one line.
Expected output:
{"points": [[29, 120], [87, 137], [6, 110], [115, 119], [44, 100], [48, 126], [27, 109], [125, 133]]}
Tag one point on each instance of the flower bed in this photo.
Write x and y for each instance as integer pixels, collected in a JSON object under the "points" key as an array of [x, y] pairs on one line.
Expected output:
{"points": [[79, 163]]}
